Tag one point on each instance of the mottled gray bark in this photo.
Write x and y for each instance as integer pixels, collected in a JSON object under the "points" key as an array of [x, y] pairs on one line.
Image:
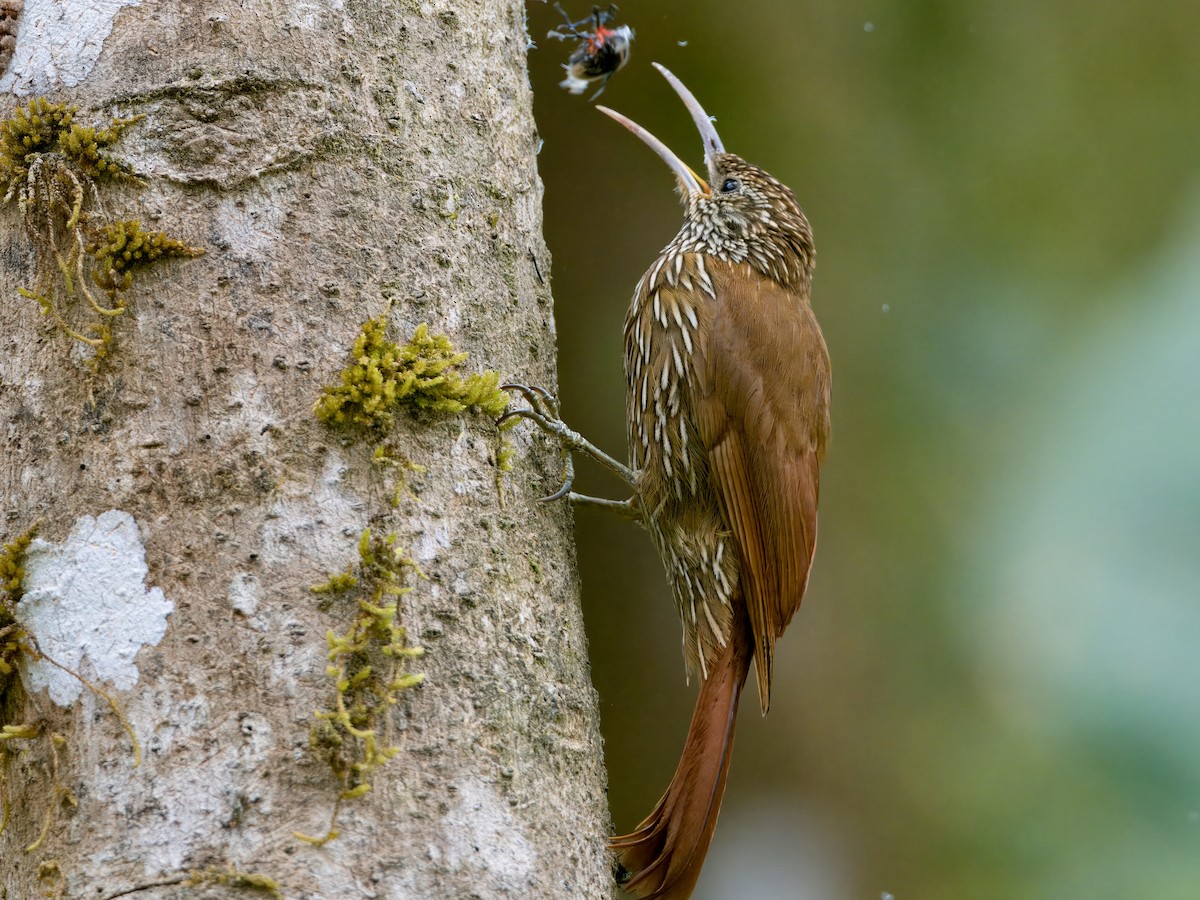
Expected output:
{"points": [[327, 155]]}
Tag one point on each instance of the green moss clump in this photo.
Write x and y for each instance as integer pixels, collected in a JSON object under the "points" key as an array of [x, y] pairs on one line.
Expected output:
{"points": [[12, 645], [120, 248], [337, 584], [51, 165], [504, 459], [52, 879], [422, 375], [42, 128], [82, 144], [12, 586], [504, 455], [12, 567], [32, 130], [368, 667]]}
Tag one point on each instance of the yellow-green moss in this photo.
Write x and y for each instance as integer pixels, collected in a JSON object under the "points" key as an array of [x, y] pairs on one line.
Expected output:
{"points": [[504, 454], [388, 457], [337, 584], [51, 165], [231, 877], [52, 879], [19, 732], [12, 645], [62, 795], [42, 128], [12, 567], [12, 586], [422, 375], [368, 667], [121, 248], [504, 459]]}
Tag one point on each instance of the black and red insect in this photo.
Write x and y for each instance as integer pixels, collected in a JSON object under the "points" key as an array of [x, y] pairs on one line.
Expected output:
{"points": [[601, 50]]}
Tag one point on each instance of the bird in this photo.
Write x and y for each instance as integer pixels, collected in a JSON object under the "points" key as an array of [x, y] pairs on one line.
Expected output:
{"points": [[728, 395]]}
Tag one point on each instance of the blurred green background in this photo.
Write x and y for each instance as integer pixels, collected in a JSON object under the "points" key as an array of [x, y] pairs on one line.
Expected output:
{"points": [[993, 688]]}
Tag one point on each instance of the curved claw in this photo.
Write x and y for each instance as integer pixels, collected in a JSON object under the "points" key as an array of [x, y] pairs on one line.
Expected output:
{"points": [[529, 391], [568, 479], [547, 424], [524, 389], [534, 395], [557, 495], [528, 394]]}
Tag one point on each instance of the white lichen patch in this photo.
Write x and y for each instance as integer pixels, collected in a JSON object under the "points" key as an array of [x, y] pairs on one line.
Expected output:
{"points": [[251, 231], [247, 415], [59, 43], [482, 833], [244, 593], [86, 600], [314, 528], [205, 767], [432, 543], [312, 15]]}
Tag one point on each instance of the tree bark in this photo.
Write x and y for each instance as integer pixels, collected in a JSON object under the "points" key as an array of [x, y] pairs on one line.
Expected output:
{"points": [[337, 161]]}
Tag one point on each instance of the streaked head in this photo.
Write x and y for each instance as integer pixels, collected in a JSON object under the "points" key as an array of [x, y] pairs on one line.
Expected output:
{"points": [[739, 212]]}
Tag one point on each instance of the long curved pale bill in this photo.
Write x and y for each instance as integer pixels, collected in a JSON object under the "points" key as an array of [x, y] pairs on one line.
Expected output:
{"points": [[704, 124], [689, 179]]}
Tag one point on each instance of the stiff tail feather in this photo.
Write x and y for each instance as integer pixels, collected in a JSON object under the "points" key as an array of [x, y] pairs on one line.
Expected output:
{"points": [[664, 855]]}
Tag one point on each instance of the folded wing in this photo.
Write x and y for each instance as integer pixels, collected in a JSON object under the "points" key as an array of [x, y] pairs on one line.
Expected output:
{"points": [[763, 416]]}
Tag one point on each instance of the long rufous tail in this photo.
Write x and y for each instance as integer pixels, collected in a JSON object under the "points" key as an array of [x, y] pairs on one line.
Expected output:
{"points": [[664, 855]]}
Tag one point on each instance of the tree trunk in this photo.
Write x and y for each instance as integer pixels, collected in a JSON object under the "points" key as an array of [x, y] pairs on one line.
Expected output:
{"points": [[337, 162]]}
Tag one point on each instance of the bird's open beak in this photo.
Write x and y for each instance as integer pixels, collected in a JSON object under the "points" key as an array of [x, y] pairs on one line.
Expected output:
{"points": [[690, 181]]}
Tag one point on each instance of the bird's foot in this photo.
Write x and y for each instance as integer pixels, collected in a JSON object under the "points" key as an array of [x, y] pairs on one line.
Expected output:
{"points": [[626, 509], [543, 411]]}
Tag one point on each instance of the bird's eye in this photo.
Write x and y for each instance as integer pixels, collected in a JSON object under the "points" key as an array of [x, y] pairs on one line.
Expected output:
{"points": [[730, 185]]}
